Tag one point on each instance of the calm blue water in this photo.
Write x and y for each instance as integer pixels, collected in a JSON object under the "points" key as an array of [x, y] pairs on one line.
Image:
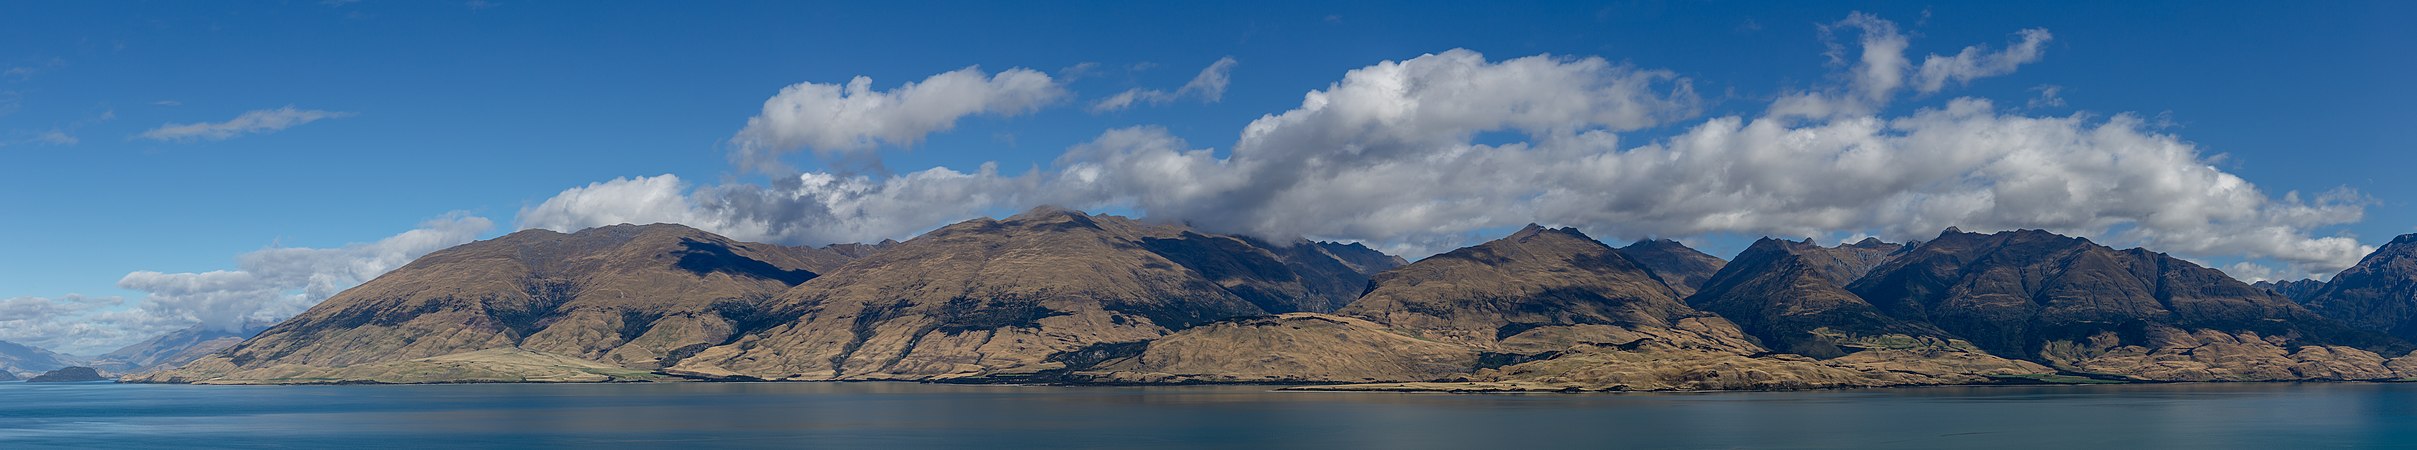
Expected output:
{"points": [[895, 415]]}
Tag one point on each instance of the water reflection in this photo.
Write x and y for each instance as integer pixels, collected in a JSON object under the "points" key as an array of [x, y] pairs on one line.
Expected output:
{"points": [[922, 415]]}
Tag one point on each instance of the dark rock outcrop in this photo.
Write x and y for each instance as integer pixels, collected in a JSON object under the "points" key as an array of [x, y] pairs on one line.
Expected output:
{"points": [[68, 375]]}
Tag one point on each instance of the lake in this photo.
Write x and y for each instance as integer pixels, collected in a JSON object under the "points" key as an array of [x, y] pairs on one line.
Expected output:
{"points": [[909, 415]]}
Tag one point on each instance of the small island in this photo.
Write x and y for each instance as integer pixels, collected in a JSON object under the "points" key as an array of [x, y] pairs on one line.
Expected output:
{"points": [[68, 375]]}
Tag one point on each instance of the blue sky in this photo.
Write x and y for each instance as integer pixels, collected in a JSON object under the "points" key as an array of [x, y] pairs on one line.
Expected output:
{"points": [[491, 107]]}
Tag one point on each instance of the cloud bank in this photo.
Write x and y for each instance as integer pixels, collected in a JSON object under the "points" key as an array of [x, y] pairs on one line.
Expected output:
{"points": [[1414, 155], [253, 122], [268, 285]]}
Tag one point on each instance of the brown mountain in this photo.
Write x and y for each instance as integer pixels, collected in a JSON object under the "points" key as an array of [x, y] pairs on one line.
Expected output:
{"points": [[174, 349], [2084, 307], [1007, 298], [627, 295], [1681, 267], [1788, 295], [1538, 289], [1551, 309], [2380, 293]]}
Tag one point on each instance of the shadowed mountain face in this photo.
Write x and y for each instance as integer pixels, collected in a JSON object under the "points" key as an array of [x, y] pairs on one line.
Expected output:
{"points": [[1788, 295], [2380, 293], [1002, 297], [627, 295], [174, 349], [1679, 266], [21, 358], [2302, 291], [1525, 290], [2069, 302]]}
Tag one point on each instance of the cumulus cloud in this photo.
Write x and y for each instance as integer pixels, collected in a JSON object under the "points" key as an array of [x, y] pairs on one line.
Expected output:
{"points": [[74, 324], [272, 284], [1416, 155], [840, 119], [267, 285], [1208, 86], [807, 208], [253, 122]]}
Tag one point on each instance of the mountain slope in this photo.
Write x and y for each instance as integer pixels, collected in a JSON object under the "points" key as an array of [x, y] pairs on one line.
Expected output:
{"points": [[1787, 295], [631, 296], [2302, 291], [2080, 306], [1000, 298], [1681, 267], [1537, 289], [2380, 293]]}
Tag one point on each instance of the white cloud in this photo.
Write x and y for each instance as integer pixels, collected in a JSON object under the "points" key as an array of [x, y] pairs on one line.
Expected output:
{"points": [[268, 285], [253, 122], [74, 324], [2251, 272], [56, 137], [807, 208], [2050, 96], [1978, 62], [837, 119], [1881, 69], [1392, 154], [1208, 86], [275, 283]]}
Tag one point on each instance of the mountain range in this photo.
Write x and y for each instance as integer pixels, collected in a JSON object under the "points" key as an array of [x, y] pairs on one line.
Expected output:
{"points": [[1060, 296]]}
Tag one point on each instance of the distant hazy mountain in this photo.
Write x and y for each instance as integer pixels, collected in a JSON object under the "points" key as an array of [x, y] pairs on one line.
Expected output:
{"points": [[173, 349], [28, 360]]}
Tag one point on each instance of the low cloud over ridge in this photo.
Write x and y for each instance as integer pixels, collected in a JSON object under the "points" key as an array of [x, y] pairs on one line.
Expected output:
{"points": [[1390, 155], [268, 285]]}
